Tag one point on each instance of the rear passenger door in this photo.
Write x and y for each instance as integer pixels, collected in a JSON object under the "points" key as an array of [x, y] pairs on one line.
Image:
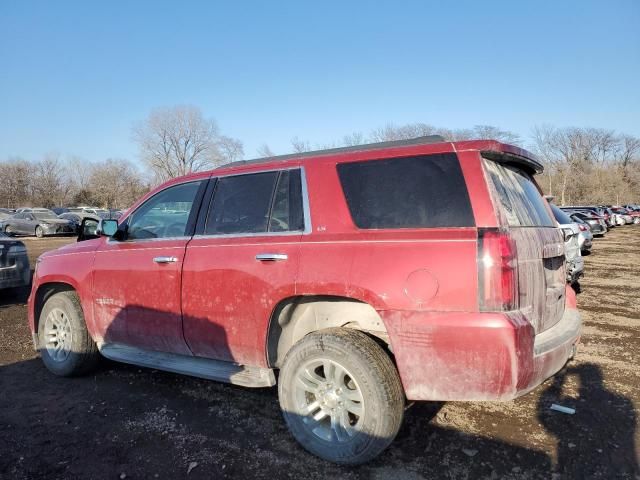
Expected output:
{"points": [[242, 261]]}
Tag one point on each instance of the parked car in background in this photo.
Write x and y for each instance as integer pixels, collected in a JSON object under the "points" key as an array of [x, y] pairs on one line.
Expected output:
{"points": [[585, 238], [36, 221], [59, 210], [267, 264], [629, 214], [572, 248], [6, 212], [595, 225], [624, 214], [76, 219], [14, 263], [591, 213]]}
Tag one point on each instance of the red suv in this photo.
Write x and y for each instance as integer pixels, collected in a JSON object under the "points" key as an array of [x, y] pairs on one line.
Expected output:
{"points": [[367, 276]]}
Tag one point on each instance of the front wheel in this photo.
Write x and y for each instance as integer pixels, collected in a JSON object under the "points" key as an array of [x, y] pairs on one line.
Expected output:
{"points": [[66, 347], [341, 396], [39, 232]]}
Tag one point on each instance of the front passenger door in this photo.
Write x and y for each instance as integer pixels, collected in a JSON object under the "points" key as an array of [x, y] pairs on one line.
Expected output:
{"points": [[137, 281]]}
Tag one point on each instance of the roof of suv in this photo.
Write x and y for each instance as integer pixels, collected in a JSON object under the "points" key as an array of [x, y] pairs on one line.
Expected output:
{"points": [[396, 148]]}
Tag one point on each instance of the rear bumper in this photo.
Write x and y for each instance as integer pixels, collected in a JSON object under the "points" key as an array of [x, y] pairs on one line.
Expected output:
{"points": [[477, 356]]}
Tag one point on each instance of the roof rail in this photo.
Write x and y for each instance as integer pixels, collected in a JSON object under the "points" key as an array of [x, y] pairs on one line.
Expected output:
{"points": [[331, 151]]}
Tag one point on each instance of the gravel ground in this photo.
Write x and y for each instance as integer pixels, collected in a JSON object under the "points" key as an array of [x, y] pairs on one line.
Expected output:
{"points": [[127, 422]]}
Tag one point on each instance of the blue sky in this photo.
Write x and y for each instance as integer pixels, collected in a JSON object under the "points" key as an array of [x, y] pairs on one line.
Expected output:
{"points": [[76, 76]]}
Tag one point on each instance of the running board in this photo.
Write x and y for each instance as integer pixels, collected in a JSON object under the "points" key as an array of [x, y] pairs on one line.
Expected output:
{"points": [[194, 366]]}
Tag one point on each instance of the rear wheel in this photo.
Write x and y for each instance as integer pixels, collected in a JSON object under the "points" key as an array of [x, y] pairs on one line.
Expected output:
{"points": [[341, 396], [8, 230], [66, 347], [39, 232]]}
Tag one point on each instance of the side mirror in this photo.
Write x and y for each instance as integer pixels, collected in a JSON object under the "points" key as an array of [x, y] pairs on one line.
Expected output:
{"points": [[91, 228], [107, 228]]}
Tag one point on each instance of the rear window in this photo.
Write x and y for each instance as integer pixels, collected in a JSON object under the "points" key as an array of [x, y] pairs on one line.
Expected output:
{"points": [[519, 196], [411, 192]]}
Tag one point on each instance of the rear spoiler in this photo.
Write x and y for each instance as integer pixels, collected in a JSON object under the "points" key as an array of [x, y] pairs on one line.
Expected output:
{"points": [[531, 165]]}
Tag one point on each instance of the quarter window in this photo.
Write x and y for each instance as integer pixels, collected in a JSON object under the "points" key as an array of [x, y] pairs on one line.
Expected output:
{"points": [[411, 192], [164, 215]]}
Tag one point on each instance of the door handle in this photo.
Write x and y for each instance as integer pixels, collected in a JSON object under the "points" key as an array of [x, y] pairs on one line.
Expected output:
{"points": [[271, 257], [165, 259]]}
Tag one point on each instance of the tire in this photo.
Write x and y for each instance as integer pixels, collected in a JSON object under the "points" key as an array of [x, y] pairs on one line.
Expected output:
{"points": [[39, 232], [8, 230], [70, 351], [364, 392]]}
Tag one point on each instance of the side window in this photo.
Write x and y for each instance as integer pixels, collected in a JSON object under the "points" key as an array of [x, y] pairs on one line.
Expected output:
{"points": [[426, 191], [286, 212], [256, 203], [164, 215], [241, 204]]}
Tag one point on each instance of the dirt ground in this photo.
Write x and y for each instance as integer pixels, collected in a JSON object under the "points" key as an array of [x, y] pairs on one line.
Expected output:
{"points": [[127, 422]]}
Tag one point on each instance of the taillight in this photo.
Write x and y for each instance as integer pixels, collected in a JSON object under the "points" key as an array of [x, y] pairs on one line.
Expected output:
{"points": [[497, 271], [582, 227]]}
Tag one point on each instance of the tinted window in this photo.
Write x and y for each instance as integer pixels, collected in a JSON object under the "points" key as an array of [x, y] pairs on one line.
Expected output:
{"points": [[257, 203], [165, 214], [241, 204], [412, 192], [519, 196], [286, 212]]}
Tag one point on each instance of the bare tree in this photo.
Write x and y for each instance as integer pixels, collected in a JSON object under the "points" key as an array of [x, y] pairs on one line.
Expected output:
{"points": [[230, 149], [179, 140], [300, 146], [265, 152], [588, 164], [79, 172], [490, 132], [116, 183], [49, 185], [17, 175], [353, 139], [628, 150]]}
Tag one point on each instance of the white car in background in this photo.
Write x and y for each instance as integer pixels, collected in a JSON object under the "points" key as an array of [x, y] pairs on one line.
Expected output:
{"points": [[572, 250]]}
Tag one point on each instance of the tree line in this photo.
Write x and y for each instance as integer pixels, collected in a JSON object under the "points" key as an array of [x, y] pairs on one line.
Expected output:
{"points": [[582, 165], [53, 181]]}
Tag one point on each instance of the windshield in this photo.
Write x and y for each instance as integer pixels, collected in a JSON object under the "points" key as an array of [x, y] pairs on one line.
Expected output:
{"points": [[44, 215]]}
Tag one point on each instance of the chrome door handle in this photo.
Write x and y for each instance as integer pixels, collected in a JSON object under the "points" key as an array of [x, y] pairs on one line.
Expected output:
{"points": [[271, 257], [165, 259]]}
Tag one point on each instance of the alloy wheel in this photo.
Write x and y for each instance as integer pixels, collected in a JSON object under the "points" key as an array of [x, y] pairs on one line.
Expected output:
{"points": [[58, 335], [329, 400]]}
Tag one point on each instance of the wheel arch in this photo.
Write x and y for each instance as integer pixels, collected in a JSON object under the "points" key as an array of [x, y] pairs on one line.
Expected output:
{"points": [[43, 293], [295, 317]]}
